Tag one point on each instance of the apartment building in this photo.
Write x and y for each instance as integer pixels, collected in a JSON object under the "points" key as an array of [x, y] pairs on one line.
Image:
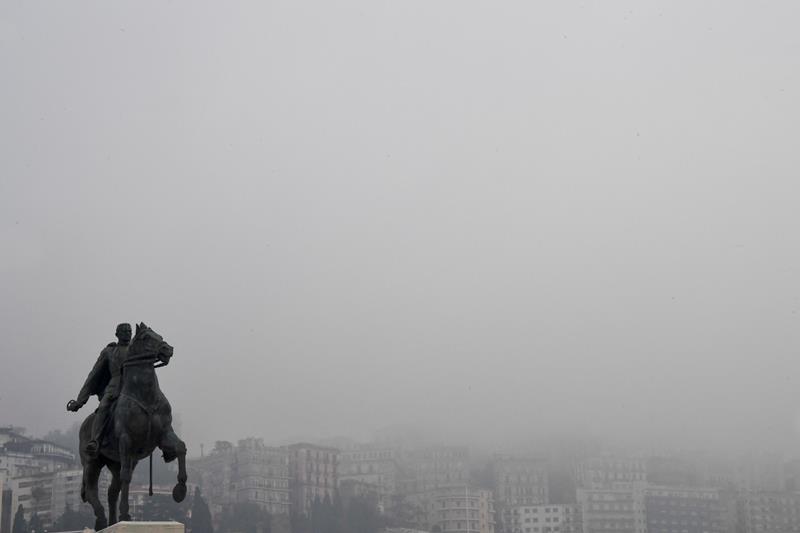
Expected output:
{"points": [[545, 519], [314, 473]]}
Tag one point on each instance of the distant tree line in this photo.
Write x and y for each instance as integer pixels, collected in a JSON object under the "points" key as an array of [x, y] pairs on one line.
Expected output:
{"points": [[74, 519], [358, 515]]}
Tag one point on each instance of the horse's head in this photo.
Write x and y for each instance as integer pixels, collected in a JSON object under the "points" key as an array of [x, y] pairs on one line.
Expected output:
{"points": [[148, 344]]}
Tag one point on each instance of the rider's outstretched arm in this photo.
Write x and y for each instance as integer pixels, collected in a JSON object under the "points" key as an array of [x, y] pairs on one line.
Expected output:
{"points": [[92, 385]]}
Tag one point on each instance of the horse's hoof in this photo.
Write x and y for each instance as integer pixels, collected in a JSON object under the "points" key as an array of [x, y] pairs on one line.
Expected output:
{"points": [[179, 492], [124, 518], [100, 523]]}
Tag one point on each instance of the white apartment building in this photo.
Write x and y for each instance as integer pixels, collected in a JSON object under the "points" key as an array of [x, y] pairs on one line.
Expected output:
{"points": [[612, 510], [545, 519]]}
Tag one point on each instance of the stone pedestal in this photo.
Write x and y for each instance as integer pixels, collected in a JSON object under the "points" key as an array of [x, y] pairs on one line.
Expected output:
{"points": [[145, 527]]}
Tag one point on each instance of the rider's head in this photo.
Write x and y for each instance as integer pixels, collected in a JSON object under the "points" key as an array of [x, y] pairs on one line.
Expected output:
{"points": [[124, 334]]}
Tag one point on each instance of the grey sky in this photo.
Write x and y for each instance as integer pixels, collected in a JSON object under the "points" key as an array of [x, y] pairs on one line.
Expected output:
{"points": [[495, 219]]}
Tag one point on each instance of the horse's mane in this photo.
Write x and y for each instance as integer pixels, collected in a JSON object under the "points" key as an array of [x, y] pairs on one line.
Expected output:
{"points": [[136, 347], [138, 337]]}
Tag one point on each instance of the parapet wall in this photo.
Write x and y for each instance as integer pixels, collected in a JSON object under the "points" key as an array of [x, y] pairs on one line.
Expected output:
{"points": [[145, 527]]}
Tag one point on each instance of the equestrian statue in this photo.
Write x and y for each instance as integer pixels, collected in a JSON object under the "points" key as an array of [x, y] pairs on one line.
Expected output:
{"points": [[133, 419]]}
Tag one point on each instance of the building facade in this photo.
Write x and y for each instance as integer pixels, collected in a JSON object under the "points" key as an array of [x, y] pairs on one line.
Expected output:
{"points": [[459, 509], [39, 475], [249, 472], [762, 472], [545, 519], [47, 494], [607, 472], [684, 510], [371, 466], [261, 476], [769, 512], [314, 473], [433, 468], [612, 510], [519, 481]]}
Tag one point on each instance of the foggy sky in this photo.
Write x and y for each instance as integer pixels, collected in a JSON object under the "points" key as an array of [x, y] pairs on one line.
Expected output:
{"points": [[493, 220]]}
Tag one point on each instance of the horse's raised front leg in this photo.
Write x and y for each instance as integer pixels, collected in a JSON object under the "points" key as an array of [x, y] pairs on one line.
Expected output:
{"points": [[91, 475], [127, 464], [113, 493], [173, 448]]}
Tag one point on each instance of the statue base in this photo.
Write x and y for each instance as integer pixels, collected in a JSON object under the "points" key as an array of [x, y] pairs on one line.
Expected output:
{"points": [[145, 527]]}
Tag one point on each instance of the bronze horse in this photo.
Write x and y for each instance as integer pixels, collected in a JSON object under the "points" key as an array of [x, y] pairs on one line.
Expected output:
{"points": [[142, 422]]}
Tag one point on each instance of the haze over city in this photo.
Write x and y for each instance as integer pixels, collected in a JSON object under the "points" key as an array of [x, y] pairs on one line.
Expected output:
{"points": [[491, 225]]}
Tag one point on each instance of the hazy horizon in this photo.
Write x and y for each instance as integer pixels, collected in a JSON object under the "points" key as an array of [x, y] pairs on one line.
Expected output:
{"points": [[497, 223]]}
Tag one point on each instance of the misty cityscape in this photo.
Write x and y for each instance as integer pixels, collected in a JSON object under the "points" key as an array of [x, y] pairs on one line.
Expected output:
{"points": [[401, 482], [451, 267]]}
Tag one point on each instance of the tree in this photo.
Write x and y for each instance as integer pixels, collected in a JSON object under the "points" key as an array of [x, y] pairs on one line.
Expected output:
{"points": [[35, 525], [314, 516], [201, 516], [20, 524], [245, 518], [161, 508], [74, 520], [222, 446], [362, 516], [318, 516], [299, 523], [338, 518], [38, 494], [281, 523], [405, 513]]}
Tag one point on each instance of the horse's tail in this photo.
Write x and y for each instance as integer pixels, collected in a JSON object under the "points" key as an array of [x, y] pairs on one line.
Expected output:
{"points": [[151, 474]]}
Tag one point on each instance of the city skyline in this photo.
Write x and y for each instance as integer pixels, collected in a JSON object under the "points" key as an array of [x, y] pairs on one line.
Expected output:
{"points": [[374, 485]]}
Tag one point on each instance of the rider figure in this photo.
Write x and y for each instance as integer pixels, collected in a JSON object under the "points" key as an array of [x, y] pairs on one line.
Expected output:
{"points": [[105, 381]]}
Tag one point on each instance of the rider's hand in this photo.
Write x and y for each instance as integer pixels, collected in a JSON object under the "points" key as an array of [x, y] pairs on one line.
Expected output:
{"points": [[73, 406]]}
